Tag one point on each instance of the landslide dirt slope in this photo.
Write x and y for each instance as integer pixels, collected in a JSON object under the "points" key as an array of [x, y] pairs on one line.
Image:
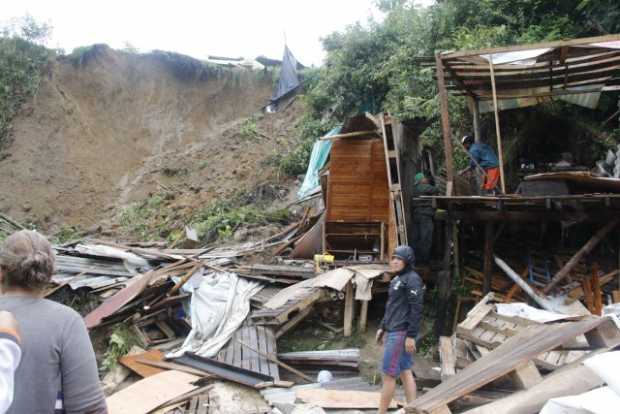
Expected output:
{"points": [[115, 127]]}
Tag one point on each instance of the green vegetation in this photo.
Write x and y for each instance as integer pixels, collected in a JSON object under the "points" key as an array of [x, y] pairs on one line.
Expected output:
{"points": [[248, 128], [65, 234], [121, 341], [155, 218], [23, 57], [377, 66], [220, 219]]}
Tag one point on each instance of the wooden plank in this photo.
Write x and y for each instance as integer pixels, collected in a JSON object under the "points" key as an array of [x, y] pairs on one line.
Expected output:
{"points": [[445, 124], [236, 349], [487, 257], [246, 353], [573, 380], [349, 304], [358, 134], [146, 395], [294, 321], [262, 346], [363, 316], [526, 376], [447, 357], [131, 362], [514, 353], [616, 296], [478, 312], [498, 132], [271, 350], [254, 366], [586, 249], [340, 399], [596, 291], [165, 365], [540, 45]]}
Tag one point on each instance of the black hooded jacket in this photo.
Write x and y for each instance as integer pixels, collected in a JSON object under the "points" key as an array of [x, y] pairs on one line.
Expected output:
{"points": [[403, 311]]}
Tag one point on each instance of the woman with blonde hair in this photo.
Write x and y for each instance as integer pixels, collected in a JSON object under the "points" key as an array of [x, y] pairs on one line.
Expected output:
{"points": [[58, 370]]}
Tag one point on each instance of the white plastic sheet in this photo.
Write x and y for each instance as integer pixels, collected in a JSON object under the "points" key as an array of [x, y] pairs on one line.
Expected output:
{"points": [[220, 303], [604, 400], [526, 311]]}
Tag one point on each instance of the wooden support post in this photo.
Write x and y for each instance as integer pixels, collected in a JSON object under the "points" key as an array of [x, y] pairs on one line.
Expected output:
{"points": [[587, 248], [526, 376], [488, 257], [500, 152], [445, 124], [597, 294], [363, 316], [447, 356], [586, 284], [444, 284], [349, 305], [475, 106]]}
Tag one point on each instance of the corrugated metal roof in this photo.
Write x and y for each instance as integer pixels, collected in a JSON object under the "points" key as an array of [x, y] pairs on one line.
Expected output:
{"points": [[577, 70]]}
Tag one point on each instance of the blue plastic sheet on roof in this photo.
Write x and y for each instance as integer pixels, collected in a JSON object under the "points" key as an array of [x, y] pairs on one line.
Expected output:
{"points": [[318, 158]]}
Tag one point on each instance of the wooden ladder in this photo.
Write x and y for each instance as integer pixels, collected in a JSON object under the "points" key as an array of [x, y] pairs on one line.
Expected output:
{"points": [[392, 161]]}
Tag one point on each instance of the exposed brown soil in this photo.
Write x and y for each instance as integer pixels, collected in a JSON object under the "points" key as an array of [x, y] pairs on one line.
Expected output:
{"points": [[117, 127]]}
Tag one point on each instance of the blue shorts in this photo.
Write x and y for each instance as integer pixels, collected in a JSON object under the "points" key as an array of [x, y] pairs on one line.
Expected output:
{"points": [[395, 358]]}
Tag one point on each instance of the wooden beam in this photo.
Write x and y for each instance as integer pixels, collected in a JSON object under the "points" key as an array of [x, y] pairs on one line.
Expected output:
{"points": [[487, 268], [447, 356], [363, 316], [294, 321], [475, 109], [586, 249], [542, 301], [540, 45], [497, 128], [596, 291], [526, 376], [349, 304], [445, 125], [351, 135]]}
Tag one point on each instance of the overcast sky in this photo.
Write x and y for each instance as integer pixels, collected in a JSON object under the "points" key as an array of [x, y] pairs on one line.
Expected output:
{"points": [[198, 28]]}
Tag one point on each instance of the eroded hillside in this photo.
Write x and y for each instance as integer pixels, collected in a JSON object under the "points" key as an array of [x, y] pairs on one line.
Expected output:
{"points": [[111, 127]]}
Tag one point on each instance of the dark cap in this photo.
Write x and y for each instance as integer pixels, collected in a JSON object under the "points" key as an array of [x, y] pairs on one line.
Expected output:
{"points": [[405, 253]]}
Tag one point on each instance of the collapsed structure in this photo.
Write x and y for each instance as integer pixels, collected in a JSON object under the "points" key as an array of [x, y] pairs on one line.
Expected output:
{"points": [[210, 317]]}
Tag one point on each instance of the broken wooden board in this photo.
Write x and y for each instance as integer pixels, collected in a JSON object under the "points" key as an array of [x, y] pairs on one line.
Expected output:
{"points": [[260, 338], [146, 395], [447, 356], [289, 309], [132, 362], [510, 356], [494, 329], [338, 399], [570, 380]]}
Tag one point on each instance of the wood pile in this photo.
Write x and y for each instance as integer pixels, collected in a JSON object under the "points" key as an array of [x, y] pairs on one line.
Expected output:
{"points": [[493, 348]]}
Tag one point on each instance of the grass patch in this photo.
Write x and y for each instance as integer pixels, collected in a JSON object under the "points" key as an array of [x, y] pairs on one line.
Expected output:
{"points": [[249, 128]]}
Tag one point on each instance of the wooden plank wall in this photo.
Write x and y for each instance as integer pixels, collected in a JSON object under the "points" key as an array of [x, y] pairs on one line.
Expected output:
{"points": [[357, 189]]}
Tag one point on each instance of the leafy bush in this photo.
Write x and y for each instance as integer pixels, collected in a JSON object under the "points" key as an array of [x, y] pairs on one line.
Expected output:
{"points": [[220, 219], [121, 341], [22, 59], [137, 218], [248, 128]]}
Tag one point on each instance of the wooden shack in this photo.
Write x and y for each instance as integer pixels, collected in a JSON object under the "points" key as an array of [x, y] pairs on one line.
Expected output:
{"points": [[364, 218]]}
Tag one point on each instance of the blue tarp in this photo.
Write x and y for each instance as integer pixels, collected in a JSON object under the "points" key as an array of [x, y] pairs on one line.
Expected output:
{"points": [[318, 158]]}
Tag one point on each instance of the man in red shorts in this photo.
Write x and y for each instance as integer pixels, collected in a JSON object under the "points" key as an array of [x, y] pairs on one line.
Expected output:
{"points": [[400, 326], [484, 156]]}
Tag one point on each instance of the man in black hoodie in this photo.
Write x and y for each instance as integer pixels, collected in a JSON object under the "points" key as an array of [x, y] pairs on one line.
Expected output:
{"points": [[400, 326]]}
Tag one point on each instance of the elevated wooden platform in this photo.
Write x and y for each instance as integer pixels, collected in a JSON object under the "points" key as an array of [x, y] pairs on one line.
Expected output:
{"points": [[597, 207]]}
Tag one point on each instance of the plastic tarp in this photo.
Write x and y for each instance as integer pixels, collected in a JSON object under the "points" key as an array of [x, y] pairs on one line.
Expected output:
{"points": [[318, 158], [220, 303], [289, 81], [604, 400], [519, 57]]}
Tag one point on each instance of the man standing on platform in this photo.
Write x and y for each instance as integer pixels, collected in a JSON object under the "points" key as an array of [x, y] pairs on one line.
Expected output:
{"points": [[482, 155], [400, 326]]}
